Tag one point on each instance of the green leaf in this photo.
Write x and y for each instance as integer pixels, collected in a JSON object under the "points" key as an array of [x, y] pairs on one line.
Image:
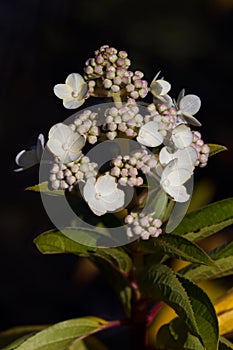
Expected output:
{"points": [[225, 344], [12, 334], [176, 247], [214, 149], [63, 334], [118, 282], [160, 282], [175, 336], [117, 257], [44, 188], [55, 242], [207, 220], [201, 273], [90, 343], [224, 251], [204, 312]]}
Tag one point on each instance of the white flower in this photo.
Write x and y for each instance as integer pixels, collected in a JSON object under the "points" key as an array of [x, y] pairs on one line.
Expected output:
{"points": [[64, 143], [102, 195], [73, 92], [160, 88], [149, 135], [182, 136], [186, 157], [188, 106], [173, 179], [27, 159]]}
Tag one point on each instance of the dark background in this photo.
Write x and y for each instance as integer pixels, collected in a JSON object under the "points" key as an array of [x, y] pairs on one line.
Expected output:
{"points": [[41, 42]]}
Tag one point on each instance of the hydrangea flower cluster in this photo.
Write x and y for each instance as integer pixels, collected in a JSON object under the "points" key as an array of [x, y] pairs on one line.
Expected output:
{"points": [[143, 225], [107, 72], [168, 152], [67, 176], [126, 119], [86, 124], [129, 168]]}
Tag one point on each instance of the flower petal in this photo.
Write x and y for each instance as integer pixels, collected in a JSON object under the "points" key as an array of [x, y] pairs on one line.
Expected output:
{"points": [[192, 120], [75, 81], [72, 103], [97, 206], [55, 147], [173, 175], [149, 135], [178, 176], [83, 91], [89, 189], [186, 157], [40, 146], [182, 136], [165, 156], [160, 87], [60, 132], [190, 104], [115, 200], [105, 185], [62, 91], [75, 142], [179, 193], [26, 159]]}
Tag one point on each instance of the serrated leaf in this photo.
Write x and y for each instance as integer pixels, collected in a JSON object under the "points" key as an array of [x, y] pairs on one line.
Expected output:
{"points": [[12, 334], [160, 282], [204, 312], [201, 273], [214, 149], [207, 220], [177, 247], [55, 242], [225, 344], [118, 282], [63, 334], [175, 336], [44, 188]]}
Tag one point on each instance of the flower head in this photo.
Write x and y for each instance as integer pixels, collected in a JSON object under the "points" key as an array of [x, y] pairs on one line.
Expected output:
{"points": [[102, 195], [64, 143], [27, 159], [172, 181], [73, 92]]}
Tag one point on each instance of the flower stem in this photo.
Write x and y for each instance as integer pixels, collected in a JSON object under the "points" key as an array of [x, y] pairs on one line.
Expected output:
{"points": [[117, 99], [138, 306]]}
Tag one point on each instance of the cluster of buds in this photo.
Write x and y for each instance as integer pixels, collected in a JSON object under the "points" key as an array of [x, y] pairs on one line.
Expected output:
{"points": [[108, 72], [127, 168], [164, 115], [142, 225], [66, 176], [126, 119], [86, 124], [202, 149]]}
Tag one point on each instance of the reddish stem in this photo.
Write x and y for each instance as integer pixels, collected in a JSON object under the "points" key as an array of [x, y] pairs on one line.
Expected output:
{"points": [[155, 309]]}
